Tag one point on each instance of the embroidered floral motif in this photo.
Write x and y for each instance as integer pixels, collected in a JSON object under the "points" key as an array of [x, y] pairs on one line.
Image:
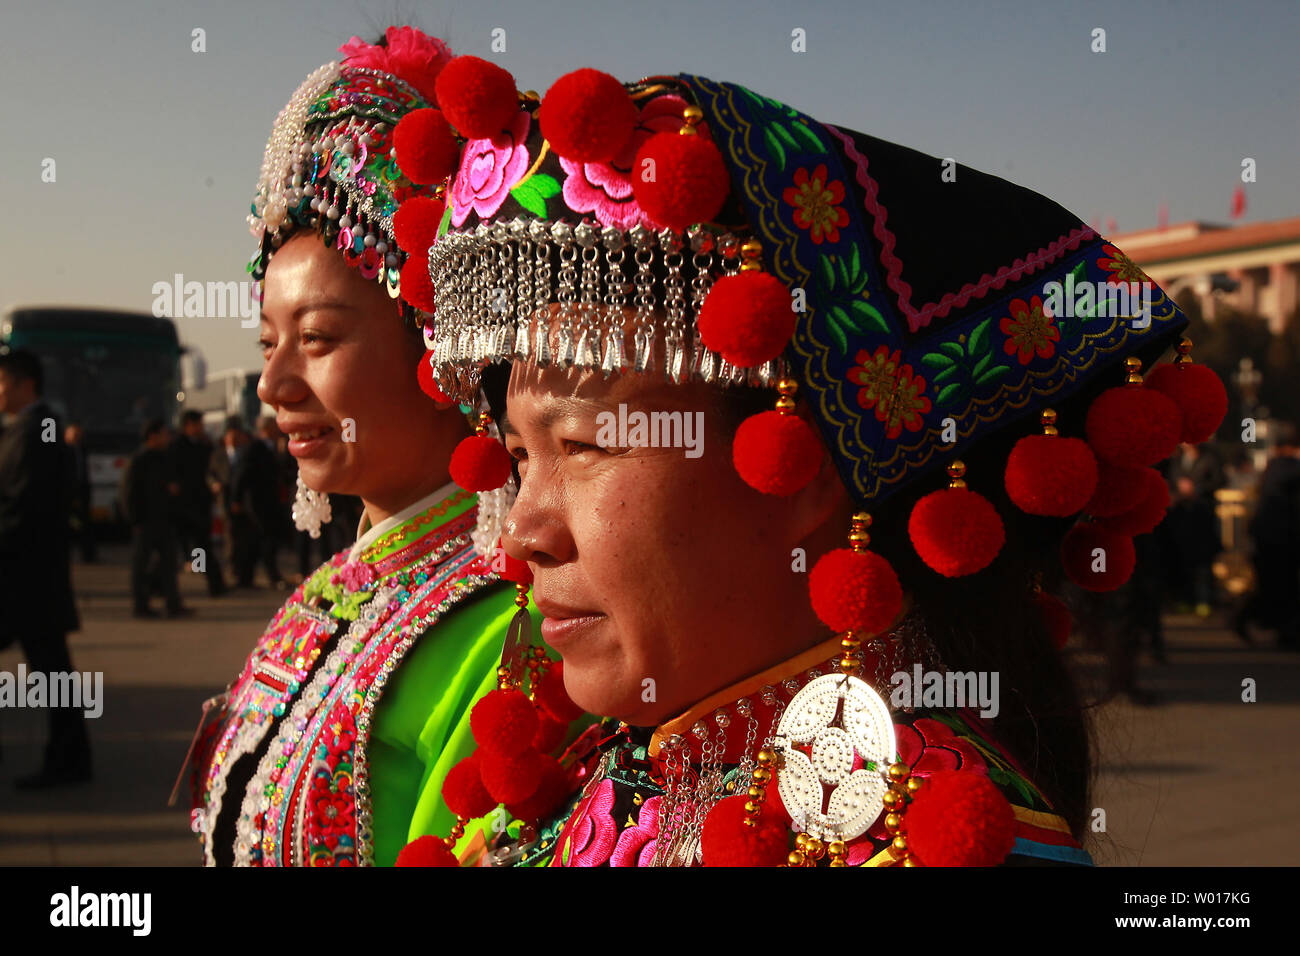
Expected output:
{"points": [[875, 372], [895, 393], [817, 204], [489, 169], [592, 832], [1120, 266], [636, 845], [1030, 330], [355, 576]]}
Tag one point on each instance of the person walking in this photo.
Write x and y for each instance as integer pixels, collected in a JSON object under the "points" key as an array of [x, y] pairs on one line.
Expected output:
{"points": [[35, 579], [149, 494], [192, 455]]}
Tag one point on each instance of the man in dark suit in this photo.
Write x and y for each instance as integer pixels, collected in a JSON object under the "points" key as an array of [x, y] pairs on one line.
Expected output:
{"points": [[35, 579], [149, 495], [252, 501], [193, 457]]}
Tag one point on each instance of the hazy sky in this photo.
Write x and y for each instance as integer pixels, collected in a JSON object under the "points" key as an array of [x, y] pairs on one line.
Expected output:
{"points": [[157, 148]]}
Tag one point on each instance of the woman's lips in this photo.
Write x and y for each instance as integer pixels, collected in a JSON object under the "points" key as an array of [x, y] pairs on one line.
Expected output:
{"points": [[308, 442], [561, 625]]}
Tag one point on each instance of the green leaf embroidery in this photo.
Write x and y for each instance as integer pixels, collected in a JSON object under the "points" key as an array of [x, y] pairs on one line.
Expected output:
{"points": [[956, 389], [844, 271], [982, 364], [993, 374], [785, 135], [810, 141], [953, 349], [979, 338], [828, 271], [445, 224], [774, 147], [528, 196], [855, 263], [867, 313], [936, 360], [837, 332], [545, 185], [945, 374]]}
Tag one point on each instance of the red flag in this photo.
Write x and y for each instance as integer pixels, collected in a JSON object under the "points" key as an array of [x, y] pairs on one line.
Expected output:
{"points": [[1239, 201]]}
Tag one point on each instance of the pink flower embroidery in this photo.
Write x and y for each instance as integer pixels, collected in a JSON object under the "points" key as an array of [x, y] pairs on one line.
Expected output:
{"points": [[636, 845], [489, 169], [592, 830], [605, 189], [354, 576]]}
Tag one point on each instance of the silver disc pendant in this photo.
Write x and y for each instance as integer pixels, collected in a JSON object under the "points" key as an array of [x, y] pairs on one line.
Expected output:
{"points": [[840, 716]]}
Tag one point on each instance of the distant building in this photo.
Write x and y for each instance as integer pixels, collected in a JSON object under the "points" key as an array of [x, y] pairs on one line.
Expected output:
{"points": [[1253, 268]]}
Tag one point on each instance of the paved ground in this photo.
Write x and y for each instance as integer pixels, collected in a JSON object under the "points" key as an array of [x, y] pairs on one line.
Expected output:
{"points": [[1203, 779]]}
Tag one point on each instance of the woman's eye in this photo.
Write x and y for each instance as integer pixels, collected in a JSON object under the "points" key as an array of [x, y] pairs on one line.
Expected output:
{"points": [[518, 453], [578, 447]]}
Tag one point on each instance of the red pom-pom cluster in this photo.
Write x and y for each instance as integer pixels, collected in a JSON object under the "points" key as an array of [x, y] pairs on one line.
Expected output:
{"points": [[428, 380], [587, 116], [1097, 558], [549, 694], [727, 840], [512, 778], [747, 318], [1133, 425], [855, 591], [480, 463], [463, 790], [1149, 511], [426, 851], [776, 454], [1119, 488], [956, 531], [504, 722], [1198, 393], [550, 733], [679, 180], [415, 283], [548, 791], [959, 818], [426, 146], [1051, 476], [415, 226], [477, 96]]}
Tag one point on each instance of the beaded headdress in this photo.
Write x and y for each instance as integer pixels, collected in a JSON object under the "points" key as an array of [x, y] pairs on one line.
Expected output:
{"points": [[328, 163]]}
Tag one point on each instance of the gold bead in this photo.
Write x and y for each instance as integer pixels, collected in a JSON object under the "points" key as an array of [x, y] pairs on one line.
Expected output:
{"points": [[801, 841], [766, 758], [756, 793], [862, 518], [892, 822], [787, 386], [910, 860], [899, 846], [836, 849], [914, 784], [858, 540], [785, 405], [1134, 366], [892, 799], [692, 114], [750, 248], [814, 849], [762, 774], [794, 859], [899, 772], [751, 807], [848, 665]]}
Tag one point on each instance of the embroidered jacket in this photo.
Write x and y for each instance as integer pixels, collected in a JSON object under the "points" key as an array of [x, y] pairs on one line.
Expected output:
{"points": [[330, 747]]}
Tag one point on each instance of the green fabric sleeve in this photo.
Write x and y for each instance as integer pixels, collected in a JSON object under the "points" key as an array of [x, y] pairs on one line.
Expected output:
{"points": [[421, 726]]}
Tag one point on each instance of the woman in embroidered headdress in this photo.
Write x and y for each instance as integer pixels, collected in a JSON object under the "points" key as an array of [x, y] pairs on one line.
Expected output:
{"points": [[331, 746], [807, 431]]}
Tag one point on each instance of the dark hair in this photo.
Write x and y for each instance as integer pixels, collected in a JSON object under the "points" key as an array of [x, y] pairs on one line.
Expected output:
{"points": [[990, 621], [234, 424], [191, 415], [152, 427], [25, 366]]}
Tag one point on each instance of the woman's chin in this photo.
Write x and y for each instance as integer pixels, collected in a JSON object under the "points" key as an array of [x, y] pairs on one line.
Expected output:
{"points": [[320, 477]]}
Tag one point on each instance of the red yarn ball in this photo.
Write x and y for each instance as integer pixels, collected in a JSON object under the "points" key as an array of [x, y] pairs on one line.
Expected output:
{"points": [[1078, 559], [480, 463], [510, 569], [726, 840], [776, 454], [428, 380], [426, 851], [587, 116], [552, 788], [747, 318], [1133, 425], [503, 722], [478, 97], [512, 779], [855, 591], [1199, 394], [550, 733], [415, 284], [1119, 488], [959, 818], [1051, 476], [415, 225], [549, 694], [426, 146], [679, 180], [1150, 510], [956, 531], [1056, 618], [463, 790]]}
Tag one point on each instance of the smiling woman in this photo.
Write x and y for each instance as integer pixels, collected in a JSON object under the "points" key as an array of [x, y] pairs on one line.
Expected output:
{"points": [[842, 317], [332, 745]]}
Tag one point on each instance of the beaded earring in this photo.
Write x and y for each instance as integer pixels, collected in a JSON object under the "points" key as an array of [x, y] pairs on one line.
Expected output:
{"points": [[311, 509]]}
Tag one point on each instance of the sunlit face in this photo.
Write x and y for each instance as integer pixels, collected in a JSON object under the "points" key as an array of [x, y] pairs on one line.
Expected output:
{"points": [[663, 578], [340, 372]]}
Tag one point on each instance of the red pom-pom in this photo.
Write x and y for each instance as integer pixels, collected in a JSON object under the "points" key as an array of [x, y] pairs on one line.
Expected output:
{"points": [[463, 790], [1119, 488], [776, 454], [587, 116], [959, 818], [747, 318], [511, 569], [550, 733], [1198, 393], [480, 463], [956, 531], [855, 591], [679, 180], [726, 840], [1133, 425], [1056, 618], [426, 146], [503, 722], [550, 695], [552, 788], [512, 779], [415, 284], [428, 381], [1051, 476], [478, 97], [1150, 510], [1097, 558], [426, 851], [415, 225]]}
